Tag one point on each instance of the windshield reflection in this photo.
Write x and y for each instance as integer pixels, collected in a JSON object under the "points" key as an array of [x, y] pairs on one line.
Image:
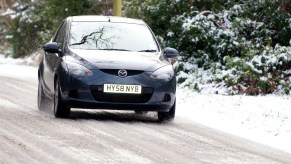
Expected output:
{"points": [[112, 36]]}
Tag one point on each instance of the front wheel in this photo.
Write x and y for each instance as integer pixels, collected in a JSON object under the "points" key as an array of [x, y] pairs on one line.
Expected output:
{"points": [[167, 116], [60, 108]]}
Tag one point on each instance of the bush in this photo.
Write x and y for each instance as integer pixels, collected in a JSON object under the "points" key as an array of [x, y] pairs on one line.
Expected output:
{"points": [[262, 73], [224, 41]]}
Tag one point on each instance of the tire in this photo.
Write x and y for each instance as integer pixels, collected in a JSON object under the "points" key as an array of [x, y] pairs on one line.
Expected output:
{"points": [[167, 116], [41, 98], [60, 108]]}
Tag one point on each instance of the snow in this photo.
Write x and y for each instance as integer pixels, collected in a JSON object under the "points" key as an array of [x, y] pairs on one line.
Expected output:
{"points": [[8, 12], [7, 104], [170, 34], [263, 119], [17, 68], [8, 36]]}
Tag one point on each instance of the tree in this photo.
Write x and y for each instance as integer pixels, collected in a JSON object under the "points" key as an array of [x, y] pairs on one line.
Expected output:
{"points": [[35, 21]]}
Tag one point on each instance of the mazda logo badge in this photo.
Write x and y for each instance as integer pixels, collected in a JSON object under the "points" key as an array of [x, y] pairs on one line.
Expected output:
{"points": [[122, 73]]}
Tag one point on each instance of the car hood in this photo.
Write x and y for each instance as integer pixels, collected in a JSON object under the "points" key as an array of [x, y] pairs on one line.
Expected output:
{"points": [[119, 59]]}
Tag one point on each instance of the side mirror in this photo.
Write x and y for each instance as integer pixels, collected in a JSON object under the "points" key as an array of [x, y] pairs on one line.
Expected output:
{"points": [[171, 54], [52, 47]]}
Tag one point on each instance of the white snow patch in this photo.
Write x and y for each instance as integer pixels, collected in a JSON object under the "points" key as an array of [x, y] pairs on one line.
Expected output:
{"points": [[8, 12], [7, 104], [170, 34], [20, 71], [8, 36], [263, 119], [10, 67]]}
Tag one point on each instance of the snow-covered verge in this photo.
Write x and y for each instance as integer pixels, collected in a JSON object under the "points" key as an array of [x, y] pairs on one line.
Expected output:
{"points": [[22, 68], [263, 119]]}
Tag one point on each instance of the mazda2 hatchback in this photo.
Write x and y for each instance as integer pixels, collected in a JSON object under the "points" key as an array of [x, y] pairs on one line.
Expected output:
{"points": [[100, 62]]}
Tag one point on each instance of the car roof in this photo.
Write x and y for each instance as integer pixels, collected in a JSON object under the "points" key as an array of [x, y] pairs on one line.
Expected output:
{"points": [[95, 18]]}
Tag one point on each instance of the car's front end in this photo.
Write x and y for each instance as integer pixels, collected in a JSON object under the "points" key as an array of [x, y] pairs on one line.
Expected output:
{"points": [[112, 86]]}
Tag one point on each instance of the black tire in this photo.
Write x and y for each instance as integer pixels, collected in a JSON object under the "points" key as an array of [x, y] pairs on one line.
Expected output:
{"points": [[60, 108], [41, 98], [167, 116]]}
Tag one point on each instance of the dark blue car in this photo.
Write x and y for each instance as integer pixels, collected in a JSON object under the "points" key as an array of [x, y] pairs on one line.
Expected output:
{"points": [[100, 62]]}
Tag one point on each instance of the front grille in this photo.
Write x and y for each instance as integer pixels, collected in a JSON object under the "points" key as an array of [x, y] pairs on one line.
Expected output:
{"points": [[115, 72], [99, 95]]}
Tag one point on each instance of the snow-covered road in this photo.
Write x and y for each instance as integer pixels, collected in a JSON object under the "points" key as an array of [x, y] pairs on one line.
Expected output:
{"points": [[95, 136]]}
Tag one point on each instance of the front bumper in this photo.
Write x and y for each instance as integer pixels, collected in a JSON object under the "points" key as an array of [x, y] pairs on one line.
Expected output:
{"points": [[86, 92]]}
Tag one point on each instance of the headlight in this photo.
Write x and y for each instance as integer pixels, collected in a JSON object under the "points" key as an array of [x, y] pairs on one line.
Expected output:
{"points": [[77, 69], [165, 72]]}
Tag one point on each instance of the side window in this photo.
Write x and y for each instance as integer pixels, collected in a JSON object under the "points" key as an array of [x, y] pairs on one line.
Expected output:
{"points": [[59, 38]]}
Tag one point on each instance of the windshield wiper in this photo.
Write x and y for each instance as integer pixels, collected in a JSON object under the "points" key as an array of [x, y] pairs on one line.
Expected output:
{"points": [[147, 51], [112, 49]]}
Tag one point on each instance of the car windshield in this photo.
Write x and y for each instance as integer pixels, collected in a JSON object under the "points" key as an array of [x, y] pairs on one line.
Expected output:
{"points": [[112, 36]]}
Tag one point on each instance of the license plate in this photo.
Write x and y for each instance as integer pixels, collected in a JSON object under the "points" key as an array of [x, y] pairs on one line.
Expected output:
{"points": [[118, 88]]}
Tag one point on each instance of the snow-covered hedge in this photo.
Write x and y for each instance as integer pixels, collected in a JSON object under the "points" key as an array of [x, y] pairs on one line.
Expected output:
{"points": [[258, 73], [232, 48]]}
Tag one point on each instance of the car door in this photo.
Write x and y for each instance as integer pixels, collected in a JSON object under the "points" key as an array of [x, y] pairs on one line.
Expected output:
{"points": [[51, 59]]}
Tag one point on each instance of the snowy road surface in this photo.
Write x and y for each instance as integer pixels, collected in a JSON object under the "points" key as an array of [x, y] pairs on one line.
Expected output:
{"points": [[97, 136]]}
